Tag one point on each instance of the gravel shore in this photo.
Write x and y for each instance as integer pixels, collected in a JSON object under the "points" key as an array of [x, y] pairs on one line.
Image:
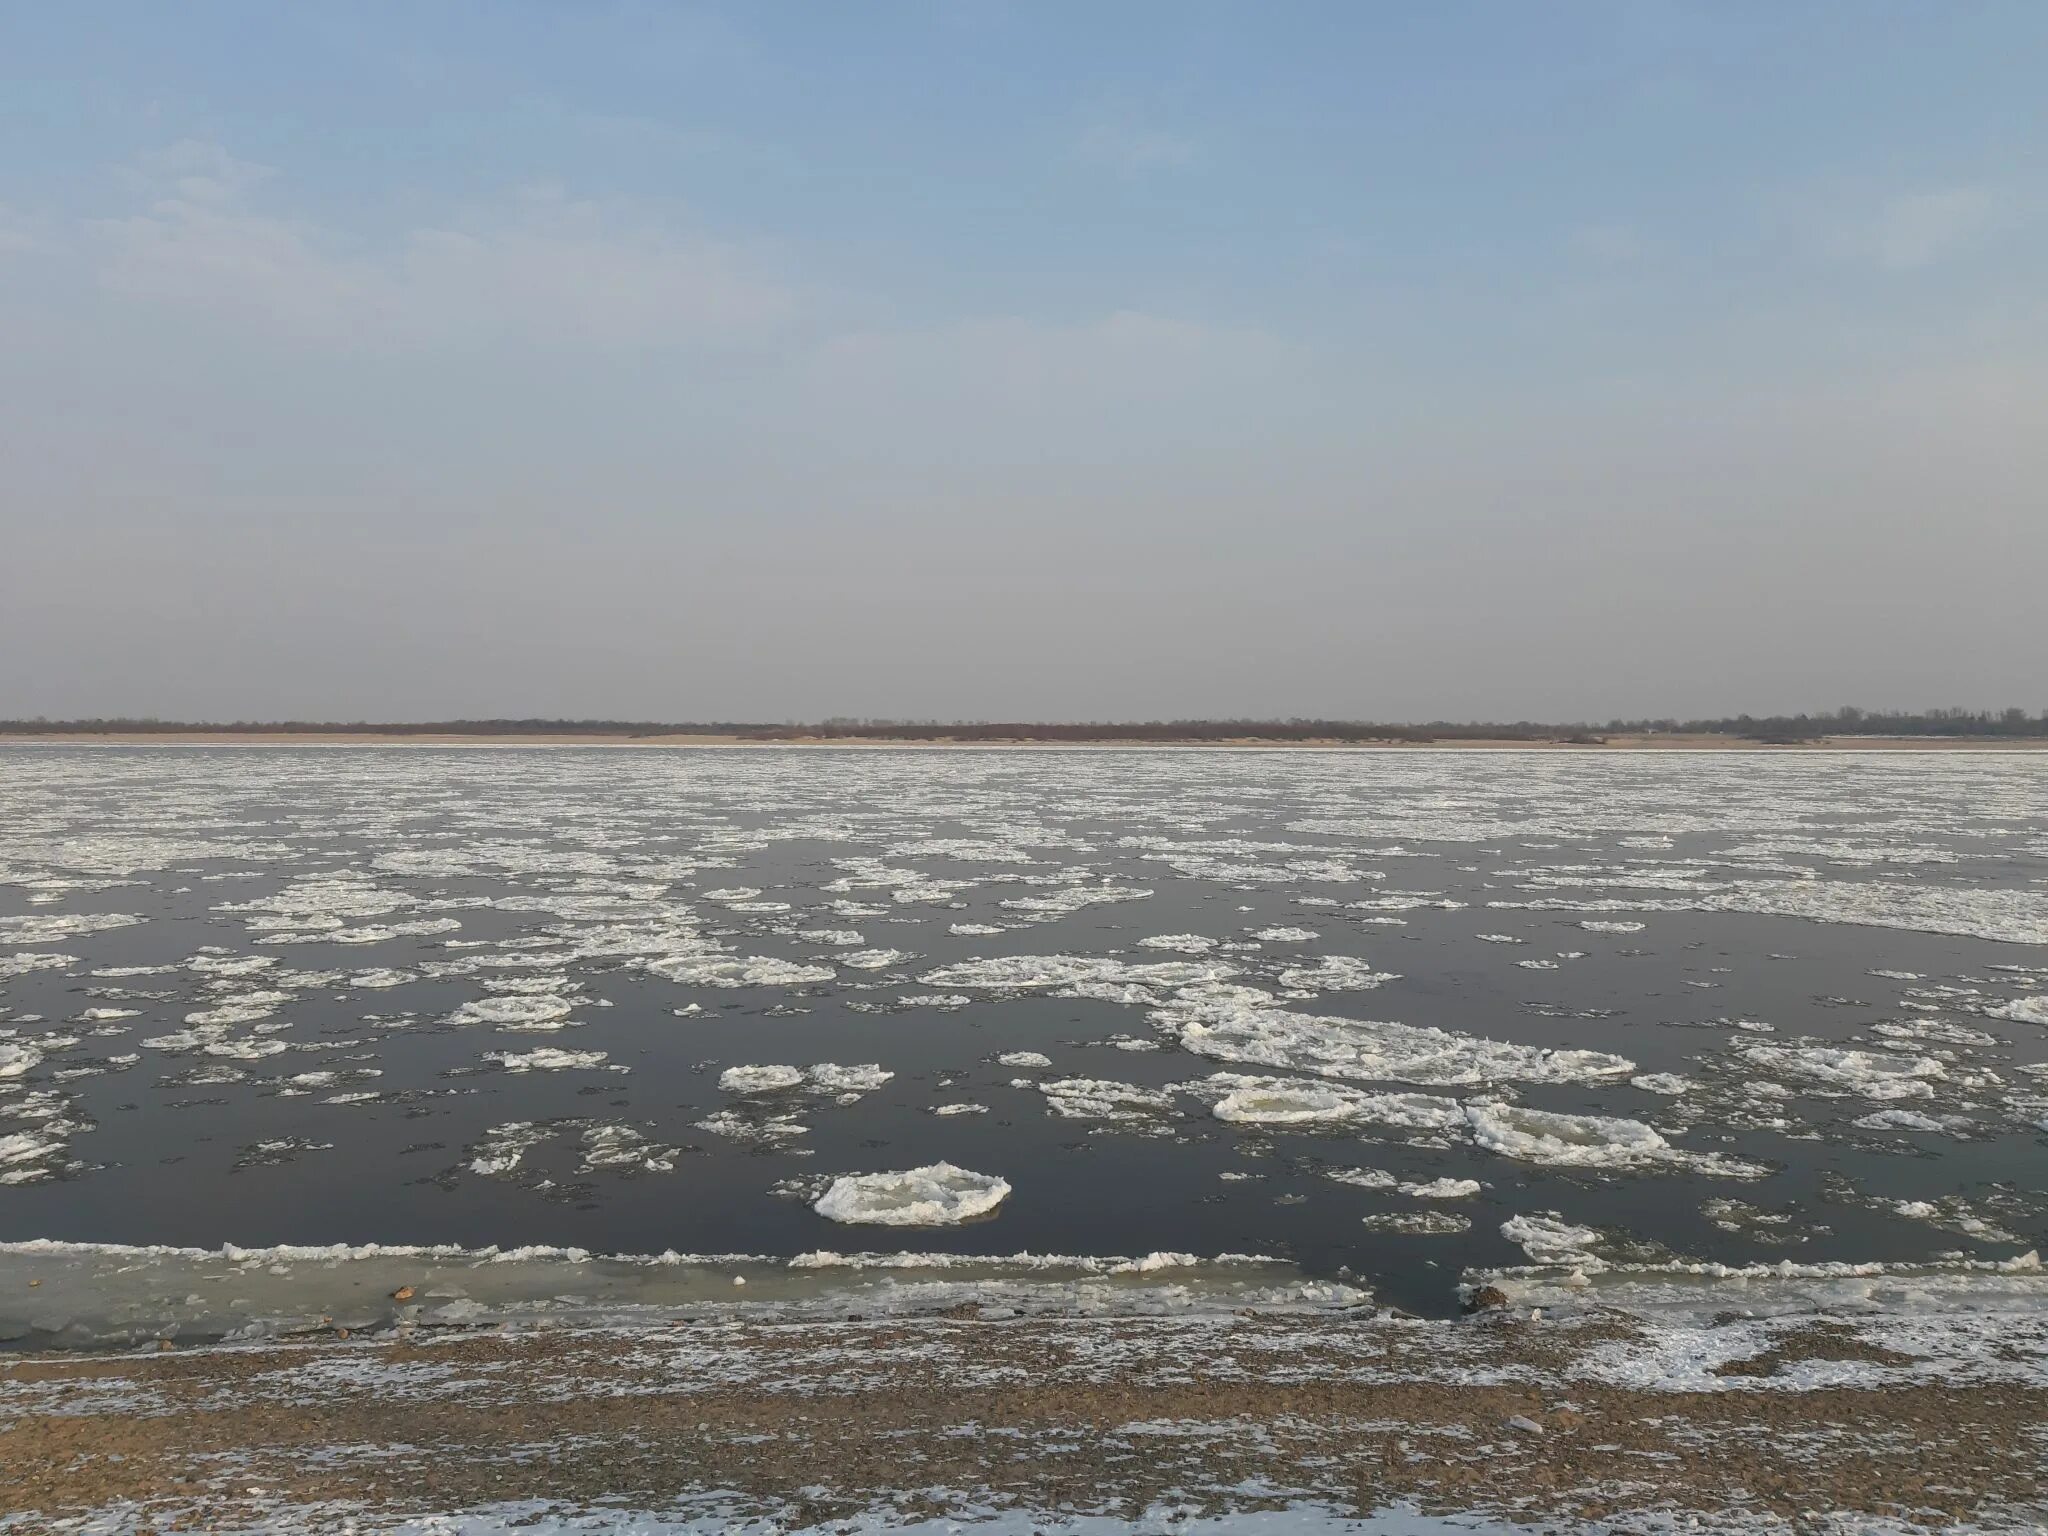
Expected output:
{"points": [[1593, 1422]]}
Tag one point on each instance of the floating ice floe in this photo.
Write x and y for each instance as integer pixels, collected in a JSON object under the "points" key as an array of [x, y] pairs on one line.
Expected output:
{"points": [[42, 927], [824, 1077], [1241, 1024], [381, 977], [1306, 1101], [16, 1058], [1024, 1059], [501, 1148], [1914, 1120], [1548, 1238], [1096, 1098], [540, 1011], [546, 1059], [769, 1079], [2005, 916], [1669, 1083], [1073, 899], [874, 959], [936, 1195], [844, 937], [1417, 1223], [2021, 1010], [1027, 972], [1589, 1141], [1833, 1070], [20, 964], [724, 971], [1335, 973], [1442, 1189]]}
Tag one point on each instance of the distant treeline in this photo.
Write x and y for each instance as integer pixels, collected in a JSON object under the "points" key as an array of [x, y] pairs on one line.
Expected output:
{"points": [[1785, 728], [1850, 721]]}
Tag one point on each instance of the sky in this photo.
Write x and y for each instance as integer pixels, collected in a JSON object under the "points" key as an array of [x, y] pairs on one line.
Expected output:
{"points": [[968, 359]]}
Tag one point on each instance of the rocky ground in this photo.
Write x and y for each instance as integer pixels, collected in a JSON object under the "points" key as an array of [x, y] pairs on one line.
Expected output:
{"points": [[1593, 1421]]}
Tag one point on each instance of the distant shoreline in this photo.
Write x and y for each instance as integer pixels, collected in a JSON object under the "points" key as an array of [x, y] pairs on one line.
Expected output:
{"points": [[1662, 742]]}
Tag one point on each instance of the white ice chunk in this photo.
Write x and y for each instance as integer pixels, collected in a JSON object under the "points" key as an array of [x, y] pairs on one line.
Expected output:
{"points": [[936, 1195]]}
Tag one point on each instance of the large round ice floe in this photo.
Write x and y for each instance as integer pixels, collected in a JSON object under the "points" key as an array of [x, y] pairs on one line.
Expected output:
{"points": [[1237, 1024], [936, 1195]]}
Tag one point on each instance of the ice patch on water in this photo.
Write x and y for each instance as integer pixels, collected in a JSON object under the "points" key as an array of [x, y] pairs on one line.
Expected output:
{"points": [[874, 959], [1670, 1083], [538, 1011], [547, 1059], [1417, 1223], [1914, 1120], [1832, 1070], [936, 1195], [720, 971], [2022, 1010], [1588, 1141], [1096, 1098], [1442, 1189], [1359, 1178], [41, 928], [2005, 916], [1335, 973], [20, 964], [1026, 972], [824, 1077], [844, 937], [16, 1058], [771, 1079], [1306, 1101], [1024, 1059], [1238, 1024], [1549, 1239]]}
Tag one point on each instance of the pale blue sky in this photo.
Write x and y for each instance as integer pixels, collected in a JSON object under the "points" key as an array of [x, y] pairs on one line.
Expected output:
{"points": [[988, 359]]}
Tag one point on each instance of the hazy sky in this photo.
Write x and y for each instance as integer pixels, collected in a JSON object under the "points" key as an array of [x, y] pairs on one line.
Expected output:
{"points": [[975, 359]]}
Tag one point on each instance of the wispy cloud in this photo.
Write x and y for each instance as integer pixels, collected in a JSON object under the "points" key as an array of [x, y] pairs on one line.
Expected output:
{"points": [[1123, 141], [1921, 228], [539, 268], [1610, 243]]}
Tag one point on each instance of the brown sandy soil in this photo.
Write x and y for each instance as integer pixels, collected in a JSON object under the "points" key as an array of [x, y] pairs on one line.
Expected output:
{"points": [[814, 1422], [1671, 743]]}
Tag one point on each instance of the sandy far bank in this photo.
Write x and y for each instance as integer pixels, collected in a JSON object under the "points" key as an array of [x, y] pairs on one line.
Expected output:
{"points": [[1670, 743]]}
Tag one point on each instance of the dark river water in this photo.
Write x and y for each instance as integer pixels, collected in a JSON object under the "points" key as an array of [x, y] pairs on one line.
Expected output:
{"points": [[1701, 1007]]}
